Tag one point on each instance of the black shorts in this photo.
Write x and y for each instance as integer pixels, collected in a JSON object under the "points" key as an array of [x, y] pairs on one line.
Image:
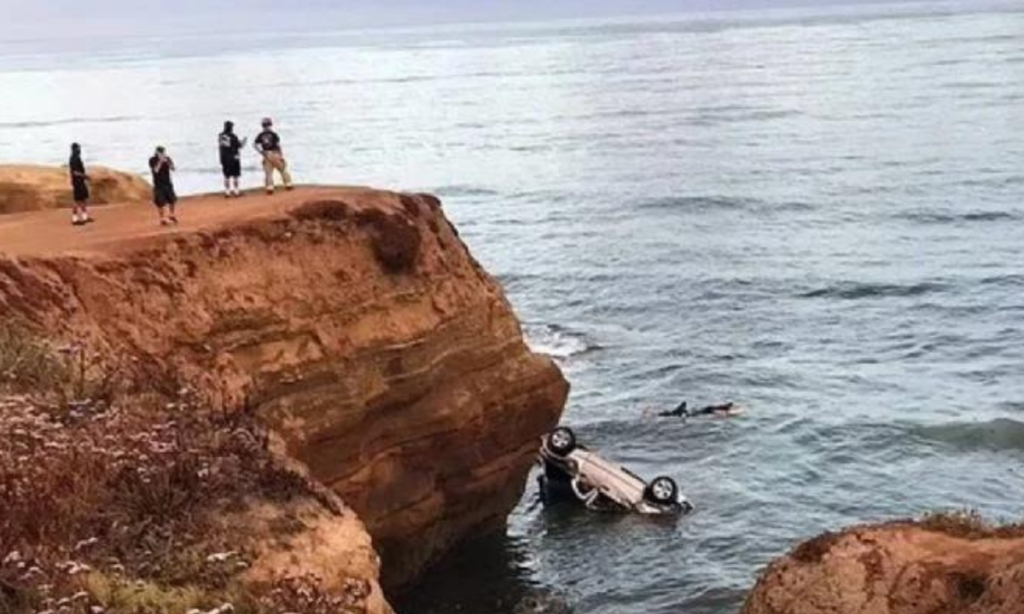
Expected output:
{"points": [[164, 195], [81, 190], [231, 168]]}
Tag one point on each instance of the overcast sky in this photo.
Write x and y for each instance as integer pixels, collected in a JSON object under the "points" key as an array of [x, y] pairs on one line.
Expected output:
{"points": [[154, 17]]}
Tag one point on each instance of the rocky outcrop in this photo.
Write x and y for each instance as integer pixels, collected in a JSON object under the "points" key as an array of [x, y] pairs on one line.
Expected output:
{"points": [[302, 539], [33, 188], [356, 323], [941, 566]]}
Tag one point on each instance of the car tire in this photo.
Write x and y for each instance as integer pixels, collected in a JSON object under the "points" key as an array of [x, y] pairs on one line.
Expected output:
{"points": [[663, 491], [562, 441]]}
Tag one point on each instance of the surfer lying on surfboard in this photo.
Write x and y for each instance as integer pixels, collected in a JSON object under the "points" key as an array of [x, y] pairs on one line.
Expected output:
{"points": [[724, 410]]}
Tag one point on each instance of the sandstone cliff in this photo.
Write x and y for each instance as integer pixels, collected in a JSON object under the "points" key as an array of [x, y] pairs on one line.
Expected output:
{"points": [[355, 322], [941, 566], [33, 188]]}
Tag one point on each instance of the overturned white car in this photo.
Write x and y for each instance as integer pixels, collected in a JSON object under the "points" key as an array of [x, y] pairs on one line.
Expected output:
{"points": [[573, 472]]}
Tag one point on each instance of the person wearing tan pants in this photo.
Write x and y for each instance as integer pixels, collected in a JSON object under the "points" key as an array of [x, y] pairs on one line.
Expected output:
{"points": [[269, 146]]}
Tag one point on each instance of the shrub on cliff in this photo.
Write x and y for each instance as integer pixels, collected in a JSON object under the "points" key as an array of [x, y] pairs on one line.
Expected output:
{"points": [[109, 504], [63, 375]]}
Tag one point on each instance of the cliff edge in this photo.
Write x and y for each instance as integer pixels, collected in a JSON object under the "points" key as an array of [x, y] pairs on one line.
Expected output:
{"points": [[944, 565], [353, 322], [33, 188]]}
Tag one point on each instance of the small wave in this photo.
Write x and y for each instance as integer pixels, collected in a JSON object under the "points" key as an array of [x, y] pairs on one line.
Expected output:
{"points": [[1015, 279], [557, 342], [692, 204], [950, 62], [941, 217], [464, 191], [999, 434], [855, 290], [728, 115], [514, 280], [969, 85], [70, 120]]}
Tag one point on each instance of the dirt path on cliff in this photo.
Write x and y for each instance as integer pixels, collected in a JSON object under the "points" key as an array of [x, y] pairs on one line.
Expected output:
{"points": [[49, 233]]}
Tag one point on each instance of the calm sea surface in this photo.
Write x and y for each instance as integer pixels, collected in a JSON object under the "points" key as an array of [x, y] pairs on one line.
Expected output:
{"points": [[818, 215]]}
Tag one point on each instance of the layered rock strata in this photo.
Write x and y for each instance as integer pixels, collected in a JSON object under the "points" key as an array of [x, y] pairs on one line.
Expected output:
{"points": [[388, 363]]}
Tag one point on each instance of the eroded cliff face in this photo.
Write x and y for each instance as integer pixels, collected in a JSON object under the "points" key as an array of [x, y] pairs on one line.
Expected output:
{"points": [[385, 359], [899, 568], [33, 188]]}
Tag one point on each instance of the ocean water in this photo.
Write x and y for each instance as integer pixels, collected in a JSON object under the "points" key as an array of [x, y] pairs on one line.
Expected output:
{"points": [[817, 214]]}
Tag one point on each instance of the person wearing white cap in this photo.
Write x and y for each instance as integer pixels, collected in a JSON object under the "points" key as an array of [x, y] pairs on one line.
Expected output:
{"points": [[269, 146]]}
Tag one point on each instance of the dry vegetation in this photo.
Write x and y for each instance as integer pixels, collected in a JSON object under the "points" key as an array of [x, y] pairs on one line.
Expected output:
{"points": [[969, 524], [107, 501]]}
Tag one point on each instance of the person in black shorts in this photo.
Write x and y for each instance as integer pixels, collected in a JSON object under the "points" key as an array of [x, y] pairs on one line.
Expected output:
{"points": [[231, 159], [79, 187], [163, 188]]}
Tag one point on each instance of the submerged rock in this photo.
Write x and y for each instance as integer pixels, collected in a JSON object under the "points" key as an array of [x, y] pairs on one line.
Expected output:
{"points": [[947, 565], [543, 602]]}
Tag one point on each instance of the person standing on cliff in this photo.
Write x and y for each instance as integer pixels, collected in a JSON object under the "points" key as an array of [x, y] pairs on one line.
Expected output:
{"points": [[269, 146], [79, 187], [163, 188], [231, 159]]}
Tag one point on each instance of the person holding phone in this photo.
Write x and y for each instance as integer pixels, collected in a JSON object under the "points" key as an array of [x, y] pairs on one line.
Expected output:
{"points": [[164, 197]]}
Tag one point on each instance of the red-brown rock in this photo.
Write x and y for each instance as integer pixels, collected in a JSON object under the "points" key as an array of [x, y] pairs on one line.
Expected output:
{"points": [[936, 567], [32, 188], [357, 323]]}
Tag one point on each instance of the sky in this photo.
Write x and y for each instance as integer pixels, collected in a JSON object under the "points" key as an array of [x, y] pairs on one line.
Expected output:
{"points": [[151, 17]]}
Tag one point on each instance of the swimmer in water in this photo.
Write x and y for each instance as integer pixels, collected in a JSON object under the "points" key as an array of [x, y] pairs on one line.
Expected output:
{"points": [[725, 410]]}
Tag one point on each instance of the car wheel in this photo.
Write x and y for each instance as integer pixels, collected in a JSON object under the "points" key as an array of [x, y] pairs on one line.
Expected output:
{"points": [[562, 441], [663, 491]]}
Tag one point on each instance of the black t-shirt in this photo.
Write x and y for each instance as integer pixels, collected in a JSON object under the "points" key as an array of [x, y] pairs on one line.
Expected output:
{"points": [[77, 166], [268, 141], [163, 176], [230, 147]]}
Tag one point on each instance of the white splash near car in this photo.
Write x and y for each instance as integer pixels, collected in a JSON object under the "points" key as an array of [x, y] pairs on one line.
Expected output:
{"points": [[574, 472]]}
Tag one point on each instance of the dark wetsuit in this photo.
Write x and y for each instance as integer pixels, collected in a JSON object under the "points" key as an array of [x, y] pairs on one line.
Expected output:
{"points": [[230, 157], [78, 183], [684, 412], [163, 187]]}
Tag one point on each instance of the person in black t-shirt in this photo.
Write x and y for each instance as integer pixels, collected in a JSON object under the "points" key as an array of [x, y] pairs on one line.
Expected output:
{"points": [[79, 187], [231, 159], [163, 188], [269, 146]]}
